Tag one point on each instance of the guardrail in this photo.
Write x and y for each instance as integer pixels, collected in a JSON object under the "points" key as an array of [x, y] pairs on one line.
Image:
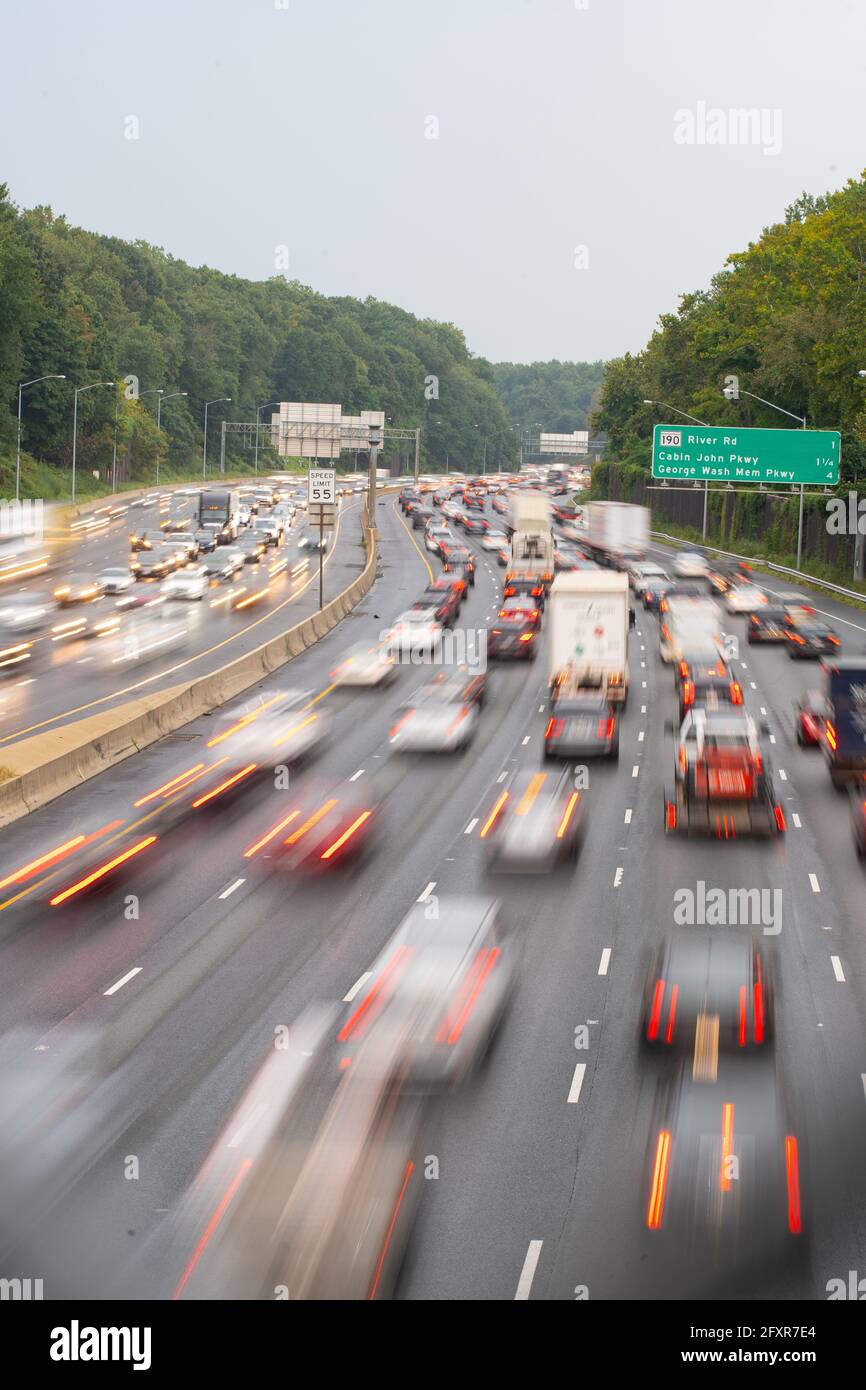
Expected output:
{"points": [[855, 594]]}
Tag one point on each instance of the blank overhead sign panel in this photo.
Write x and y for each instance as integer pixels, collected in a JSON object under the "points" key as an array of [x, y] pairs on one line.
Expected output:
{"points": [[727, 454], [315, 430], [575, 443]]}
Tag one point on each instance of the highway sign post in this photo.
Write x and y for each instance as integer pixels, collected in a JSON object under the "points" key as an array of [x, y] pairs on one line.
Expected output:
{"points": [[321, 507], [728, 454]]}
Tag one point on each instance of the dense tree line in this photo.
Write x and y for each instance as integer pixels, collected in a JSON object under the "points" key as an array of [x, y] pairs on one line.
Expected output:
{"points": [[97, 309], [559, 396], [787, 316]]}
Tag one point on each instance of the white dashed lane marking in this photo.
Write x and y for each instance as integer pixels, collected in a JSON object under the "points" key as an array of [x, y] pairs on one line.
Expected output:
{"points": [[124, 980], [605, 961], [576, 1083], [837, 969], [527, 1274]]}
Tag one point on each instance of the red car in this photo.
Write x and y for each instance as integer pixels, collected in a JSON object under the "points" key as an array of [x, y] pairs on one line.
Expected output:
{"points": [[809, 713]]}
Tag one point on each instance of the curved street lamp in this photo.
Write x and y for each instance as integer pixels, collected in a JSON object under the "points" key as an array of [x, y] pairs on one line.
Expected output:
{"points": [[53, 376]]}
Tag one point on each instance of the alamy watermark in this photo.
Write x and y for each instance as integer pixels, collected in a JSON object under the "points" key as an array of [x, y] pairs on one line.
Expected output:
{"points": [[729, 907], [712, 125]]}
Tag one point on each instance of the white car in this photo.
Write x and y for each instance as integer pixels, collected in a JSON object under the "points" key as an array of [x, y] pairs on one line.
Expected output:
{"points": [[282, 726], [415, 633], [745, 598], [435, 535], [116, 580], [638, 573], [493, 540], [190, 583], [689, 564], [365, 665], [428, 724], [149, 637], [22, 612], [244, 515]]}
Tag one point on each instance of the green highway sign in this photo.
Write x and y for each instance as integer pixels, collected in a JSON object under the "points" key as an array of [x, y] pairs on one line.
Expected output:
{"points": [[726, 454]]}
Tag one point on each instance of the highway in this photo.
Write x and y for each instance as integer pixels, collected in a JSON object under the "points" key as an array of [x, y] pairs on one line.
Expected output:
{"points": [[542, 1154], [71, 677]]}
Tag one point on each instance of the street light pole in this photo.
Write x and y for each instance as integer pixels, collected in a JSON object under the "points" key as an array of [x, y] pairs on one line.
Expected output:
{"points": [[53, 376], [207, 404], [170, 397], [733, 395], [665, 406], [79, 391], [260, 408]]}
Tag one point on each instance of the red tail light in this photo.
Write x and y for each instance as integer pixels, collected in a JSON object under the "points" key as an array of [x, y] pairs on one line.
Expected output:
{"points": [[669, 1034], [736, 693], [688, 693], [830, 730], [554, 728], [741, 1035], [606, 728], [780, 819], [759, 1004], [792, 1173], [671, 815], [652, 1031], [527, 636], [834, 640], [684, 670]]}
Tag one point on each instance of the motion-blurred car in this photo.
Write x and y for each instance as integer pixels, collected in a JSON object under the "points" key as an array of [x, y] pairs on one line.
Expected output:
{"points": [[704, 680], [438, 718], [440, 986], [474, 525], [810, 713], [524, 586], [437, 536], [149, 634], [312, 541], [725, 785], [444, 603], [767, 624], [653, 591], [639, 573], [581, 725], [520, 604], [116, 579], [268, 529], [459, 560], [24, 612], [234, 557], [535, 823], [503, 556], [252, 547], [78, 588], [745, 598], [415, 633], [324, 826], [220, 565], [726, 1183], [690, 563], [514, 635], [708, 991], [365, 665], [285, 726], [811, 639], [449, 584], [493, 540], [206, 541], [420, 517], [155, 564], [190, 584]]}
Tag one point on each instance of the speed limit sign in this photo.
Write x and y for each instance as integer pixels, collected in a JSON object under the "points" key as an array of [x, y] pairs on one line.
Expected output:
{"points": [[322, 485]]}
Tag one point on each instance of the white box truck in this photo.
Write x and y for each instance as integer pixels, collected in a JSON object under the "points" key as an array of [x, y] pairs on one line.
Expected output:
{"points": [[588, 624], [531, 535], [617, 533]]}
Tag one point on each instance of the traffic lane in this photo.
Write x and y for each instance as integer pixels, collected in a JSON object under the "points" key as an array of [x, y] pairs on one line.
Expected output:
{"points": [[56, 962], [220, 635], [651, 902], [429, 809]]}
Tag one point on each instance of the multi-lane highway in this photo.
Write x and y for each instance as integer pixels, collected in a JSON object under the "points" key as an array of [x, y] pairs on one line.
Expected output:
{"points": [[194, 961], [71, 676]]}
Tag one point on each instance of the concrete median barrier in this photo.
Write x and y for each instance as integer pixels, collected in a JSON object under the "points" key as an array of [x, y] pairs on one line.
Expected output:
{"points": [[39, 769]]}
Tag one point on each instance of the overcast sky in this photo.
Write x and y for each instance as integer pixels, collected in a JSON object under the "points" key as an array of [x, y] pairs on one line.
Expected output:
{"points": [[559, 210]]}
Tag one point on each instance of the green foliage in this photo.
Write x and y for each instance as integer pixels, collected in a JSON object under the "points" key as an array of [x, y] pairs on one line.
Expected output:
{"points": [[559, 395], [787, 316], [97, 309]]}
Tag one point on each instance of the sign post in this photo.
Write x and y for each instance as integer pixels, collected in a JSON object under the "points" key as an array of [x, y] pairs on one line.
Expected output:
{"points": [[321, 505]]}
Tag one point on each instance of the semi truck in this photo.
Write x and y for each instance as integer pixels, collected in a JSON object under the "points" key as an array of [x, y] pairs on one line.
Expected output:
{"points": [[589, 624], [531, 536], [218, 509], [617, 533], [843, 737]]}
